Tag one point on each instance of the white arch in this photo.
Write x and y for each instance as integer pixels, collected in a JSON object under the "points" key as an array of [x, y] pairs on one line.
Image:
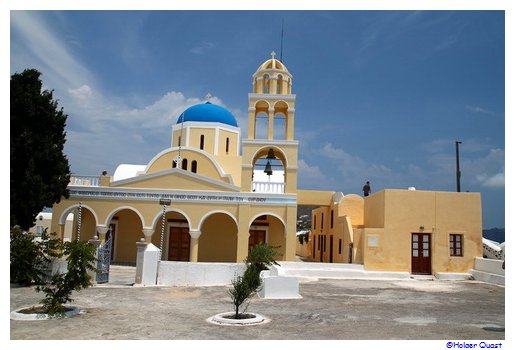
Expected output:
{"points": [[159, 216], [64, 214], [275, 149], [216, 212], [271, 214], [111, 214]]}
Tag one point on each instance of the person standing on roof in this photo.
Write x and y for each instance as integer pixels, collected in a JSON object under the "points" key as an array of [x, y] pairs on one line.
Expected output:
{"points": [[367, 189]]}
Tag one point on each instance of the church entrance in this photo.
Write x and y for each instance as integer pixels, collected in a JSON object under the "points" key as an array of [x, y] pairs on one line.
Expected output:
{"points": [[256, 237], [179, 244]]}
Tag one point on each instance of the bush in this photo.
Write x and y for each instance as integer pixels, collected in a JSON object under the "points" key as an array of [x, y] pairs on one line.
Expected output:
{"points": [[30, 258], [81, 257], [246, 286], [262, 257]]}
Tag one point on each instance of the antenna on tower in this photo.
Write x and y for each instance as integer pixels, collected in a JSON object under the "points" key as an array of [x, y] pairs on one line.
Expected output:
{"points": [[282, 35]]}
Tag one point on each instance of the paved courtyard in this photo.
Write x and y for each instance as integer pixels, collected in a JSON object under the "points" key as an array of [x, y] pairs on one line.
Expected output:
{"points": [[329, 309]]}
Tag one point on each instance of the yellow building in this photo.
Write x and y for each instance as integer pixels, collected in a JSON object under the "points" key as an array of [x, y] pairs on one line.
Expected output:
{"points": [[210, 196], [421, 232]]}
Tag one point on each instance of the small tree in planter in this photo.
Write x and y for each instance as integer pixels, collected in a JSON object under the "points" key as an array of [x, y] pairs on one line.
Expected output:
{"points": [[246, 286], [81, 257]]}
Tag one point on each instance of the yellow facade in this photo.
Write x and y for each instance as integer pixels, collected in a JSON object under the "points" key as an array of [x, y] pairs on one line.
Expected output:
{"points": [[214, 213], [381, 231], [204, 199]]}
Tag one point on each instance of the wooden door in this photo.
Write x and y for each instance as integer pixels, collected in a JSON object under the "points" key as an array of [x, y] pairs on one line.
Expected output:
{"points": [[421, 253], [179, 244], [256, 237]]}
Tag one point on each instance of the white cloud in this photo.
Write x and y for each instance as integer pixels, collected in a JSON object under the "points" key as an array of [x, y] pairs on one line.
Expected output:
{"points": [[477, 109], [309, 173], [50, 55], [492, 181], [202, 48]]}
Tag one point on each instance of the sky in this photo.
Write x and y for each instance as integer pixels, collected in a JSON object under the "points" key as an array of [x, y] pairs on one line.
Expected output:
{"points": [[380, 95]]}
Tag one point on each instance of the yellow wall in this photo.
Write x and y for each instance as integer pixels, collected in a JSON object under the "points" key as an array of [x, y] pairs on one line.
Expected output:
{"points": [[218, 240], [309, 197], [276, 237], [374, 210], [435, 213], [181, 180], [209, 139], [128, 232], [205, 165], [233, 143], [380, 228]]}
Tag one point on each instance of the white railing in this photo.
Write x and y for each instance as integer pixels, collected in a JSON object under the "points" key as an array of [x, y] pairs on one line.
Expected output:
{"points": [[268, 187], [85, 180]]}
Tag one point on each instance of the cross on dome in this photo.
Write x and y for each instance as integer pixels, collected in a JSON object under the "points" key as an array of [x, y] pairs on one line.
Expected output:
{"points": [[208, 96], [273, 55]]}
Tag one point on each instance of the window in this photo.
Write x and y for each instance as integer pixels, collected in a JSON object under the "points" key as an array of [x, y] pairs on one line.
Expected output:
{"points": [[201, 141], [318, 242], [322, 222], [456, 244], [314, 222], [332, 218], [179, 142], [339, 246], [227, 145], [185, 164], [324, 242], [194, 166], [174, 164]]}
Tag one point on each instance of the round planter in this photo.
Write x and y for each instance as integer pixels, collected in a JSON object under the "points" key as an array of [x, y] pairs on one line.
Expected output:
{"points": [[21, 316], [221, 319]]}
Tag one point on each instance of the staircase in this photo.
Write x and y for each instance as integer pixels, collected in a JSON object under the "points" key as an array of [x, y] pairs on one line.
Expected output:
{"points": [[309, 271]]}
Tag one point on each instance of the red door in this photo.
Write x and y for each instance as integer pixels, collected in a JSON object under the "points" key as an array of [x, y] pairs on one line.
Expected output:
{"points": [[421, 253], [256, 237], [179, 244]]}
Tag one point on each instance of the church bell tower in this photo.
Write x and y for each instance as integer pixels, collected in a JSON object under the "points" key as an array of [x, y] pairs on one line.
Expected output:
{"points": [[270, 146]]}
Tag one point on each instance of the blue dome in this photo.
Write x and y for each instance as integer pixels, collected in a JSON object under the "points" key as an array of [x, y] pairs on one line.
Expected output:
{"points": [[207, 112]]}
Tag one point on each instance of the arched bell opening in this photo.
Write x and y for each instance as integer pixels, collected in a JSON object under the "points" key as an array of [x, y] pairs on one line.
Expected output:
{"points": [[268, 171]]}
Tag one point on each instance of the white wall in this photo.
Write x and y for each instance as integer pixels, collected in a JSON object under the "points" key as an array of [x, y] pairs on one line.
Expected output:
{"points": [[178, 273]]}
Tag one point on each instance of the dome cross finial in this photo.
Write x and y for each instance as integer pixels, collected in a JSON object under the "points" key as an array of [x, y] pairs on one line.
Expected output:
{"points": [[208, 97], [273, 55]]}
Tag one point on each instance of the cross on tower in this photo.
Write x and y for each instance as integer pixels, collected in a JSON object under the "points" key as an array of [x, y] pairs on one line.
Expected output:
{"points": [[273, 55]]}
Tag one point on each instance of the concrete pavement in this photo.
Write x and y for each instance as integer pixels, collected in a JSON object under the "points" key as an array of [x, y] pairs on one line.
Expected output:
{"points": [[329, 309]]}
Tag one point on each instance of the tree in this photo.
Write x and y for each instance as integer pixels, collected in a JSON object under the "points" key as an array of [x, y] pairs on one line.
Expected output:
{"points": [[40, 171], [244, 287]]}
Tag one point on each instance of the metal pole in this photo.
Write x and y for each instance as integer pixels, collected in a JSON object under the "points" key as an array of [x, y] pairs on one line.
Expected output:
{"points": [[458, 172], [79, 219], [162, 232]]}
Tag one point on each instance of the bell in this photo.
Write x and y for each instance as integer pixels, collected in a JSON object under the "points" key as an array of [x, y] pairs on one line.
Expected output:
{"points": [[268, 168], [271, 154]]}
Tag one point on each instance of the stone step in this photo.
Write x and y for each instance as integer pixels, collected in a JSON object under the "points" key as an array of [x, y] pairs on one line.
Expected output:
{"points": [[309, 271], [487, 277]]}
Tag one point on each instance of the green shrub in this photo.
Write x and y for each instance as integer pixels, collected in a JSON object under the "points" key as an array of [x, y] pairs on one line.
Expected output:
{"points": [[246, 286], [262, 257], [81, 257], [30, 258]]}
